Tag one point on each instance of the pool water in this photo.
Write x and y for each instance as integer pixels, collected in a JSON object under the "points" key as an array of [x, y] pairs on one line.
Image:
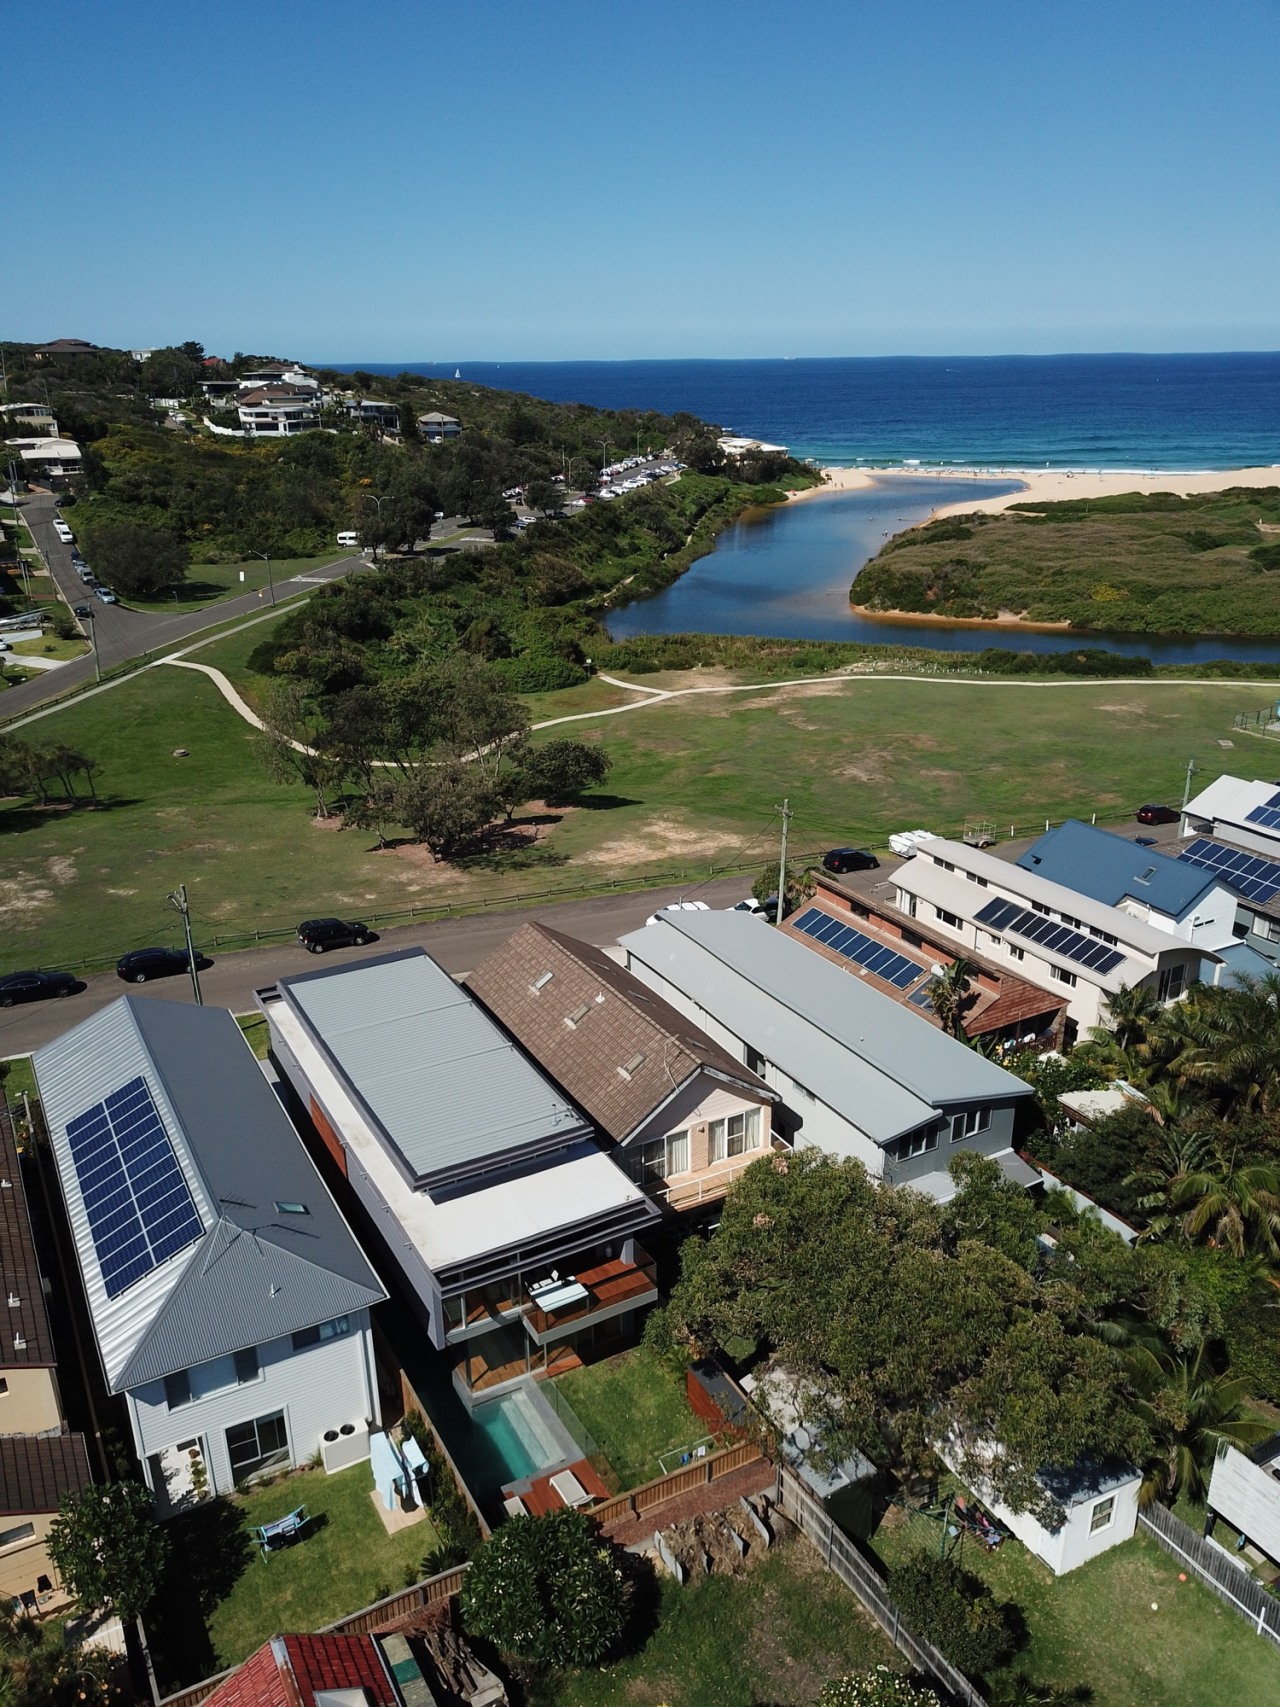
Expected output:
{"points": [[505, 1439]]}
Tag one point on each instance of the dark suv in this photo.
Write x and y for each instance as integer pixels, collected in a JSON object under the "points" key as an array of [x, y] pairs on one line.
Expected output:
{"points": [[143, 963], [1151, 814], [849, 859], [319, 934]]}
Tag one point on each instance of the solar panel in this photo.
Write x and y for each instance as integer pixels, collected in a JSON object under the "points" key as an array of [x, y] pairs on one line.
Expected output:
{"points": [[139, 1205], [865, 951], [1058, 939], [1268, 814], [1254, 878]]}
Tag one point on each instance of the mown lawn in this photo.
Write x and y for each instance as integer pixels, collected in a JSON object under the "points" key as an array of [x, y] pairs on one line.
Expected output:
{"points": [[635, 1406], [208, 582], [695, 784], [345, 1561], [1122, 1624], [771, 1638]]}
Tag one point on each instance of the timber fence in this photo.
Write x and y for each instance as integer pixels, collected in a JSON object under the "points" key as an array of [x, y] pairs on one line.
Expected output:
{"points": [[697, 1474], [856, 1572], [1214, 1567]]}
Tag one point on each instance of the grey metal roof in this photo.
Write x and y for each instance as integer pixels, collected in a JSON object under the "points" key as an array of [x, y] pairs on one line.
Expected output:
{"points": [[1107, 868], [883, 1068], [256, 1273], [448, 1092]]}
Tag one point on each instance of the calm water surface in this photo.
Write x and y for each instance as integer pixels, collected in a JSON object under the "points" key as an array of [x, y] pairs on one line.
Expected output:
{"points": [[786, 573]]}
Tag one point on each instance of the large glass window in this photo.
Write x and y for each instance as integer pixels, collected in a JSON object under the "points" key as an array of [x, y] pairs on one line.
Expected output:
{"points": [[655, 1161], [258, 1445], [186, 1385], [735, 1135], [917, 1143], [969, 1124], [324, 1331]]}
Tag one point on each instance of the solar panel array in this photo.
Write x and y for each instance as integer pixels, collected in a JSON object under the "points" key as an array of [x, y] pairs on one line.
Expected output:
{"points": [[854, 945], [1060, 939], [139, 1205], [1268, 814], [1256, 879]]}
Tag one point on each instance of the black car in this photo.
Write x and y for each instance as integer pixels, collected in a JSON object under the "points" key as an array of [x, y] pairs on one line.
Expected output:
{"points": [[83, 611], [319, 934], [1157, 815], [143, 963], [35, 986], [849, 859]]}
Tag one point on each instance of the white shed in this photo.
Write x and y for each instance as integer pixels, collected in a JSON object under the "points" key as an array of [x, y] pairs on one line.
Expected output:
{"points": [[1101, 1506]]}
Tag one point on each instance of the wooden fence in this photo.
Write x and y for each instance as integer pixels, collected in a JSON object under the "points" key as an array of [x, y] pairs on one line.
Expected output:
{"points": [[840, 1555], [394, 1609], [1237, 1587], [690, 1476]]}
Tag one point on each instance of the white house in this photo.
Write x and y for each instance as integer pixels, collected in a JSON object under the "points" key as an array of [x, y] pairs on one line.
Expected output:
{"points": [[228, 1297], [516, 1236], [1055, 936], [1238, 811], [856, 1074], [278, 410], [1245, 1492]]}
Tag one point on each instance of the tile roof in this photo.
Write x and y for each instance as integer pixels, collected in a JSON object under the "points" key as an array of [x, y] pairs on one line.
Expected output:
{"points": [[614, 1046], [37, 1469], [288, 1671], [27, 1321]]}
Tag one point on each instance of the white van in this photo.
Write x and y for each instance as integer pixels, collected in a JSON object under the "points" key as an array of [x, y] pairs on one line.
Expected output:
{"points": [[349, 540]]}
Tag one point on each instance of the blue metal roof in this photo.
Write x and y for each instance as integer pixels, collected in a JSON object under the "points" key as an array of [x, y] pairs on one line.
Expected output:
{"points": [[1107, 867], [1240, 962]]}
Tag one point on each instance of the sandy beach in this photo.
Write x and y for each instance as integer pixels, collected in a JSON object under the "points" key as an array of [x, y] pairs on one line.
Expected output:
{"points": [[1051, 485]]}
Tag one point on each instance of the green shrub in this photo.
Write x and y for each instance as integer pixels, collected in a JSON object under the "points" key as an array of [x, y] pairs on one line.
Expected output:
{"points": [[878, 1688], [533, 674], [952, 1609]]}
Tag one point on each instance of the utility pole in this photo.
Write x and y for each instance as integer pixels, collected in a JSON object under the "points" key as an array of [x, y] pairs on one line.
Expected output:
{"points": [[1186, 787], [178, 899], [93, 641], [785, 809], [270, 582]]}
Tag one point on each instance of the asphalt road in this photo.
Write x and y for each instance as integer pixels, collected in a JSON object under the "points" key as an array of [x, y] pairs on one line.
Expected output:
{"points": [[458, 945], [122, 632]]}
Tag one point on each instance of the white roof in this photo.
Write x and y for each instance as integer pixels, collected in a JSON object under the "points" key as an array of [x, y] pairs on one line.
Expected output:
{"points": [[567, 1189], [1230, 800]]}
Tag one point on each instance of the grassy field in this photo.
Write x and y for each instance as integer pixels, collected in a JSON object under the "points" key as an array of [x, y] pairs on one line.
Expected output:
{"points": [[208, 582], [774, 1636], [635, 1407], [694, 785], [48, 647], [345, 1561], [1152, 563], [1098, 1625]]}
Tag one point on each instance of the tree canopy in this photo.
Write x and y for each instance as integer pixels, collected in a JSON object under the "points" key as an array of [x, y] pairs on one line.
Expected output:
{"points": [[108, 1547]]}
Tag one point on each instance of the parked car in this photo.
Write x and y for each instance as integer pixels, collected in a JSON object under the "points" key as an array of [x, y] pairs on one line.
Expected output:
{"points": [[320, 934], [106, 595], [84, 611], [678, 907], [140, 964], [35, 986], [1157, 815], [5, 646], [748, 904], [349, 539], [849, 859]]}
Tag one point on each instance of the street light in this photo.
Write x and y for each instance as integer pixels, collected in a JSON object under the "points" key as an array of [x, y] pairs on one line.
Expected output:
{"points": [[604, 448], [93, 642], [379, 502], [178, 899], [270, 582]]}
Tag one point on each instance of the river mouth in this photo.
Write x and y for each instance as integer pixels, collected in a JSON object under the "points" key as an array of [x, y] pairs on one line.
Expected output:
{"points": [[785, 572]]}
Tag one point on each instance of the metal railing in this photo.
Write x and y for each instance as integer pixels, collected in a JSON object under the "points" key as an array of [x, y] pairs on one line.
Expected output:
{"points": [[1212, 1566], [841, 1556]]}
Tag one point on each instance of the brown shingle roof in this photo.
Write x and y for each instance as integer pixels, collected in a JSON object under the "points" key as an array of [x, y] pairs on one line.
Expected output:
{"points": [[626, 1050], [36, 1470], [25, 1339]]}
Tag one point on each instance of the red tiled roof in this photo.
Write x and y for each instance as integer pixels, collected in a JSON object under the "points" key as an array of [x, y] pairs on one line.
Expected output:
{"points": [[288, 1671]]}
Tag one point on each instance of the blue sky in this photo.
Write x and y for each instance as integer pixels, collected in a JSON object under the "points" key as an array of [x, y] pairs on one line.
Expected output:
{"points": [[404, 180]]}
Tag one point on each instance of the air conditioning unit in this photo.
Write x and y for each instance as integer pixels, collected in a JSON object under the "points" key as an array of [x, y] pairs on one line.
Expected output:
{"points": [[342, 1447]]}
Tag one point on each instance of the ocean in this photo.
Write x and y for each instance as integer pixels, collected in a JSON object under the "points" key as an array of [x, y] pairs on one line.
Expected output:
{"points": [[989, 412]]}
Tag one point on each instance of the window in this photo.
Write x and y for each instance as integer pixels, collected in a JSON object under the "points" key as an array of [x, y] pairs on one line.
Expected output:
{"points": [[1102, 1514], [324, 1331], [734, 1135], [1037, 908], [1062, 976], [969, 1124], [541, 982], [258, 1445], [945, 864], [44, 1585], [1171, 981], [1015, 953], [186, 1385], [980, 881], [755, 1062], [913, 938], [916, 1143], [20, 1532], [949, 918], [283, 1208], [651, 1163], [4, 1386]]}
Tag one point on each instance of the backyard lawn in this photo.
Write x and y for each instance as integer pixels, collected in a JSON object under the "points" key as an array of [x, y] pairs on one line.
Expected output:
{"points": [[694, 785], [1097, 1625], [775, 1635], [635, 1407], [346, 1561]]}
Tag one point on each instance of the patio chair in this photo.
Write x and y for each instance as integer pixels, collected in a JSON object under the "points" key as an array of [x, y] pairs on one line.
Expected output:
{"points": [[282, 1532]]}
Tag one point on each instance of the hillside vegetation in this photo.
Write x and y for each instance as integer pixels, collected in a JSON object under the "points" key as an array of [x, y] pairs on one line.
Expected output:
{"points": [[1142, 563]]}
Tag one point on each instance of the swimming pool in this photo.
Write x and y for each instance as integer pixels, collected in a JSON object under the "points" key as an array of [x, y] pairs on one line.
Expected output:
{"points": [[506, 1439]]}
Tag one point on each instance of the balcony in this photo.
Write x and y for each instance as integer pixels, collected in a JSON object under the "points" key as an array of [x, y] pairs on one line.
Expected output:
{"points": [[713, 1185], [592, 1295]]}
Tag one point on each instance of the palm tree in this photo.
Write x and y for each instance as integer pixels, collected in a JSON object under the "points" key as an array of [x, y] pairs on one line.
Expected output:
{"points": [[1133, 1010], [1239, 1207], [1181, 1155], [1189, 1408], [1229, 1039], [949, 993]]}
